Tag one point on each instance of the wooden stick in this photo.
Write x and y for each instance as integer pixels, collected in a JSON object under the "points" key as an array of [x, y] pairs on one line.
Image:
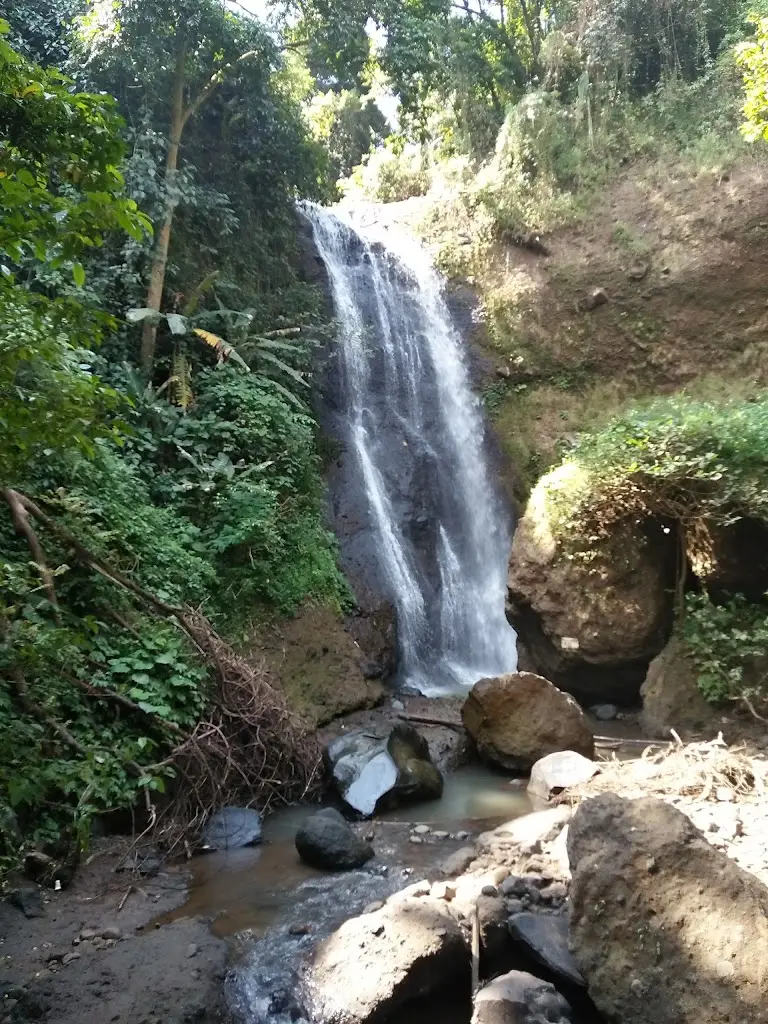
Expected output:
{"points": [[425, 720], [475, 949], [121, 904]]}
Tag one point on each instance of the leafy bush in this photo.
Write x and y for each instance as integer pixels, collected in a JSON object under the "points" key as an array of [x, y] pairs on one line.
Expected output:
{"points": [[389, 176], [729, 645], [674, 459]]}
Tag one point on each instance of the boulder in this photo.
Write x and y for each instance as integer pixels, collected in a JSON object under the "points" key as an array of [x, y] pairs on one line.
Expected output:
{"points": [[318, 664], [664, 927], [492, 920], [231, 828], [519, 998], [605, 712], [326, 840], [590, 619], [28, 900], [373, 770], [671, 698], [556, 772], [518, 718], [458, 862], [374, 964], [545, 938]]}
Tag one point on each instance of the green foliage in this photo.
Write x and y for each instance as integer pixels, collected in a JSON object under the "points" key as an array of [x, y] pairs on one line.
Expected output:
{"points": [[728, 643], [389, 175], [215, 501], [673, 460], [49, 396], [349, 126], [59, 180], [752, 56]]}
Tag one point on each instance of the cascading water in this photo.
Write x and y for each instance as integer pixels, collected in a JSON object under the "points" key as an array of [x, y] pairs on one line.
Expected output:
{"points": [[405, 408]]}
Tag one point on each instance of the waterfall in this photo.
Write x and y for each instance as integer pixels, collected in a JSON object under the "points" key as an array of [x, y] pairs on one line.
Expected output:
{"points": [[405, 409]]}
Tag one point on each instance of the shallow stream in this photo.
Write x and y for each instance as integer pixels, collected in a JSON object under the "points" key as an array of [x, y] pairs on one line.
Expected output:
{"points": [[255, 888]]}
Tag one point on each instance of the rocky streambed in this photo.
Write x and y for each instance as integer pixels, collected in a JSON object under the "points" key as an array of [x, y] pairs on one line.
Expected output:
{"points": [[619, 890]]}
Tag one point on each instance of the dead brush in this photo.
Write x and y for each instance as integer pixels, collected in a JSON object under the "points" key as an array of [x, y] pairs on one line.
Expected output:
{"points": [[250, 750], [694, 770]]}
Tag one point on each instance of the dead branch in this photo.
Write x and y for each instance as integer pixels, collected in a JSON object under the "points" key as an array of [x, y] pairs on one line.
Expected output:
{"points": [[24, 529], [36, 711], [426, 720], [105, 693]]}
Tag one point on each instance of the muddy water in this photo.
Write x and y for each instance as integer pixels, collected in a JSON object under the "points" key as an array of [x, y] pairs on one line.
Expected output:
{"points": [[254, 888]]}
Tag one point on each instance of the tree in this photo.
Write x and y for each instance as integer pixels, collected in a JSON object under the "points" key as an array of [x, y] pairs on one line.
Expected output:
{"points": [[177, 54], [349, 125], [60, 194], [60, 184], [752, 56]]}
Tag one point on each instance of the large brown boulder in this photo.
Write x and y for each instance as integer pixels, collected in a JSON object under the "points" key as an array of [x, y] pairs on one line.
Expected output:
{"points": [[590, 613], [374, 964], [518, 718], [664, 927], [671, 698]]}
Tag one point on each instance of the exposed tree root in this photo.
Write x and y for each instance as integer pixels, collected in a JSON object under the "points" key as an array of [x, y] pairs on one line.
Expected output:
{"points": [[249, 749]]}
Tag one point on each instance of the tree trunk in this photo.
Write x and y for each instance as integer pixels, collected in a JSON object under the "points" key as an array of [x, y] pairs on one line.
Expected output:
{"points": [[160, 260]]}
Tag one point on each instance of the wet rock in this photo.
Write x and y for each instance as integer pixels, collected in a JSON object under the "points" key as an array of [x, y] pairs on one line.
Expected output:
{"points": [[519, 718], [519, 998], [654, 911], [327, 841], [545, 938], [372, 965], [28, 900], [605, 712], [112, 932], [591, 623], [670, 694], [556, 772], [69, 958], [371, 771], [299, 930], [231, 828], [520, 886], [57, 868]]}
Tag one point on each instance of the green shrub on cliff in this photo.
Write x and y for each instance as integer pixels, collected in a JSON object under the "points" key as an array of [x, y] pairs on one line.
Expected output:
{"points": [[676, 460], [687, 466]]}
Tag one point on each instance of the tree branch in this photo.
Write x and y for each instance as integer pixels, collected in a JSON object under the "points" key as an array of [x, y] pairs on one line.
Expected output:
{"points": [[212, 84], [24, 529]]}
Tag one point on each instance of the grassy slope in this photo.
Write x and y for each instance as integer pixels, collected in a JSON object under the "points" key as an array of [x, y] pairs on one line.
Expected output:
{"points": [[696, 320]]}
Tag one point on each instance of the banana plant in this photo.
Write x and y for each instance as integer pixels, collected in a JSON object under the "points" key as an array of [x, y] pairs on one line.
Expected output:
{"points": [[180, 325]]}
